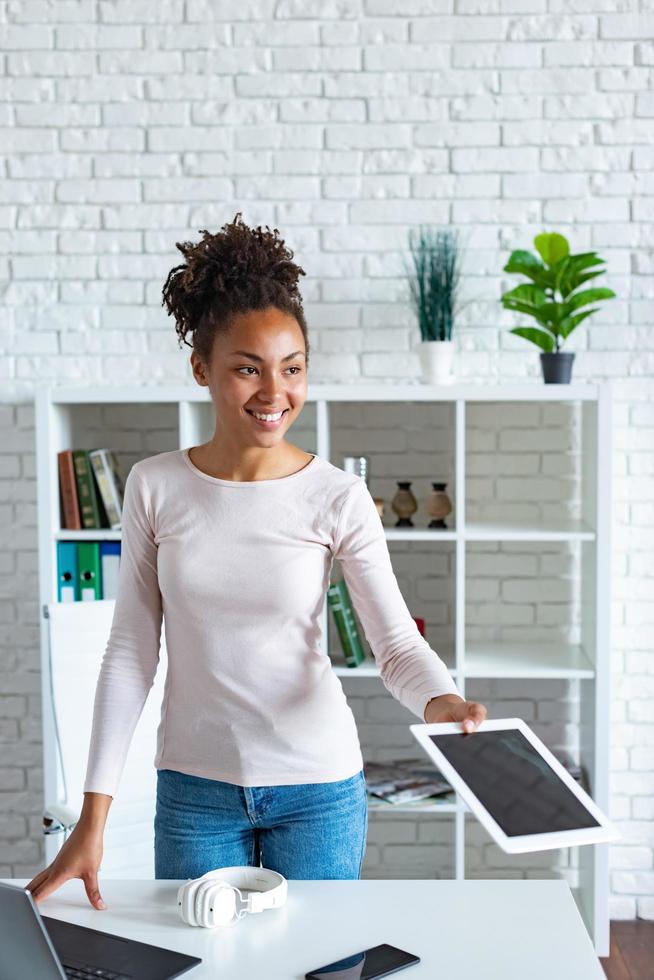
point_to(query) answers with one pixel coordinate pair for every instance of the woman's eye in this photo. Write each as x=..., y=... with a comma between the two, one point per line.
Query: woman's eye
x=295, y=368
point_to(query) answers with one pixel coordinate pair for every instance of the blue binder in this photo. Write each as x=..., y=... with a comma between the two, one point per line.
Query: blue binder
x=67, y=582
x=109, y=565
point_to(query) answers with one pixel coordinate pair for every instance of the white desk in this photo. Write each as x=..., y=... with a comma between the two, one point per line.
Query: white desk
x=463, y=930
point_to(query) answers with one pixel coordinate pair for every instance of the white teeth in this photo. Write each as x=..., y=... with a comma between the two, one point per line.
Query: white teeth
x=268, y=418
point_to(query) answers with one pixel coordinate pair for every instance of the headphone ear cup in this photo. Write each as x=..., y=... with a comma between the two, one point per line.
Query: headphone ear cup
x=186, y=901
x=202, y=903
x=221, y=905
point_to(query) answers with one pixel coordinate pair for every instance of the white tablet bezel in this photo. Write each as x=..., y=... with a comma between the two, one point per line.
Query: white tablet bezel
x=607, y=831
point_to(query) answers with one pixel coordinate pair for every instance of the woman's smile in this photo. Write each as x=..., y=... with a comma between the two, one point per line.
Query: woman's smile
x=265, y=423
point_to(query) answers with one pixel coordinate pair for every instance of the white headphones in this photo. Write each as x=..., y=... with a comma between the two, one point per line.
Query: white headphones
x=212, y=899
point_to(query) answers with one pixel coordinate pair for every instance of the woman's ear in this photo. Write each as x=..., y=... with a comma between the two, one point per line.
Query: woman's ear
x=199, y=369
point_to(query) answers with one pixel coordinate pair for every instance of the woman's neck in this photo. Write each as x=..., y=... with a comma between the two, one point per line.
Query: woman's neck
x=251, y=464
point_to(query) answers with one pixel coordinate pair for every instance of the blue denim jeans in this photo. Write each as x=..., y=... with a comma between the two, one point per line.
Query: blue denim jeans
x=304, y=830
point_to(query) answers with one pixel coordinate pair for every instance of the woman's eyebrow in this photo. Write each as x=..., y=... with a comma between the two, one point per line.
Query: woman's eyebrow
x=256, y=357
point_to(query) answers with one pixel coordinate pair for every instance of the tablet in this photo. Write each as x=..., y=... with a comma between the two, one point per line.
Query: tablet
x=517, y=789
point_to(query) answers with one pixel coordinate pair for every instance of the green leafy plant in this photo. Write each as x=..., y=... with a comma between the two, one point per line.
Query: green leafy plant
x=434, y=280
x=553, y=297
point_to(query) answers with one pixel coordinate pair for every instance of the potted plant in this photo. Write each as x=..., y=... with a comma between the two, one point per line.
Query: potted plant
x=556, y=315
x=434, y=284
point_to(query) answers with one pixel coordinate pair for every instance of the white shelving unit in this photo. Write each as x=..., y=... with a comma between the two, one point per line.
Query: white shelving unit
x=58, y=415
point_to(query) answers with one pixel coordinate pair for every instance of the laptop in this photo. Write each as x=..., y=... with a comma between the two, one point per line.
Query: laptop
x=37, y=946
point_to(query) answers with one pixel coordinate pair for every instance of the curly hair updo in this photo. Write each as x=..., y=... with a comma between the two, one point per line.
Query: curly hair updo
x=237, y=270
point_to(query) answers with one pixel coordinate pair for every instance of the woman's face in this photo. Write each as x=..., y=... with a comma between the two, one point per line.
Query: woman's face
x=258, y=365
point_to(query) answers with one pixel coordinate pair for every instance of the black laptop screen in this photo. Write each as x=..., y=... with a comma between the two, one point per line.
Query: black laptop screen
x=519, y=789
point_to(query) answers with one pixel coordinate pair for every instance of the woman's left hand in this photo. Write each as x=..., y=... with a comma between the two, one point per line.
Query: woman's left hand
x=450, y=707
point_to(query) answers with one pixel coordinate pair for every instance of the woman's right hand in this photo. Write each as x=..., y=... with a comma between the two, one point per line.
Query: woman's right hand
x=80, y=857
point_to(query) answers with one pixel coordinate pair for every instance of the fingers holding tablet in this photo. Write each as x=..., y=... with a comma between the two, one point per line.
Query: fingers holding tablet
x=452, y=708
x=475, y=714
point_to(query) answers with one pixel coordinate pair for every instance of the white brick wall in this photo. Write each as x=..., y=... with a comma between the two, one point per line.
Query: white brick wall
x=126, y=126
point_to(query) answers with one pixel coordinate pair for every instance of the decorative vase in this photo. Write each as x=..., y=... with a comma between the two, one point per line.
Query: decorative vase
x=404, y=504
x=439, y=505
x=379, y=504
x=557, y=367
x=436, y=357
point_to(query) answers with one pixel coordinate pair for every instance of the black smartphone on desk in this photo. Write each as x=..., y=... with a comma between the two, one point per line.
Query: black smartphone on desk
x=378, y=961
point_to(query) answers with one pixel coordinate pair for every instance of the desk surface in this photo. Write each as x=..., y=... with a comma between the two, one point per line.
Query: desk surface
x=466, y=930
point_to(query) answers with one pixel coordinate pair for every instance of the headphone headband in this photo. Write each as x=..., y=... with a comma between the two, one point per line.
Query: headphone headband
x=255, y=879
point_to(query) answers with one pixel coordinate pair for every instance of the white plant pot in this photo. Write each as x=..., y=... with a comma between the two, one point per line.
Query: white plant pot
x=436, y=357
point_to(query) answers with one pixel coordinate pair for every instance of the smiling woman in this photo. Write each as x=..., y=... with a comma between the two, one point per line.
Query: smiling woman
x=258, y=757
x=237, y=294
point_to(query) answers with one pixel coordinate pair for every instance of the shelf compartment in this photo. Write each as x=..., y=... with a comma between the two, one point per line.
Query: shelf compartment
x=410, y=441
x=528, y=659
x=420, y=806
x=486, y=859
x=525, y=614
x=526, y=468
x=487, y=660
x=425, y=576
x=528, y=530
x=397, y=850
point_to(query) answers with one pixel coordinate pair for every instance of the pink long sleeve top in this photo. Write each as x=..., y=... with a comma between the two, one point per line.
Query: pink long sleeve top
x=239, y=572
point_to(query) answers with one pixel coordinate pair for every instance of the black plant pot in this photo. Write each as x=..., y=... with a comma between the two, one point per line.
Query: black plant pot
x=557, y=368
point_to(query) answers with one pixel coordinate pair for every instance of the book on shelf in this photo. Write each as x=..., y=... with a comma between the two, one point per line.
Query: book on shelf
x=109, y=481
x=342, y=609
x=91, y=489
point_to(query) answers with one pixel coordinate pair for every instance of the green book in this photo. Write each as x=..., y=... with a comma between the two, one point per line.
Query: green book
x=91, y=509
x=340, y=604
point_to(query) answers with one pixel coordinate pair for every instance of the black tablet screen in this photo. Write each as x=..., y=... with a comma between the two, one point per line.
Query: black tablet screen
x=519, y=789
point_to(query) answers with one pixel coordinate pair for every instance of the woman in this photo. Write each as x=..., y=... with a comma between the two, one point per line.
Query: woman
x=231, y=543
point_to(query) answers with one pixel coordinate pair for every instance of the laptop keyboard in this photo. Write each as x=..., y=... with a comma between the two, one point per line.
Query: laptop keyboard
x=88, y=972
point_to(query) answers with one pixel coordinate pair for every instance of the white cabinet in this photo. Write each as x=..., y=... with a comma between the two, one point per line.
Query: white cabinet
x=489, y=509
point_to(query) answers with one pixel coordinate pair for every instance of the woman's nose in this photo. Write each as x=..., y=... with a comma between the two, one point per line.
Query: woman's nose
x=271, y=387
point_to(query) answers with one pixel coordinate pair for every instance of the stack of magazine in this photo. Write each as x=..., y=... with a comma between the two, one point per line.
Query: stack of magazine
x=412, y=780
x=405, y=781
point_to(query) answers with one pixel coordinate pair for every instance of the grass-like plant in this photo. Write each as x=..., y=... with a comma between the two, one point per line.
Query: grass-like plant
x=434, y=280
x=553, y=297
